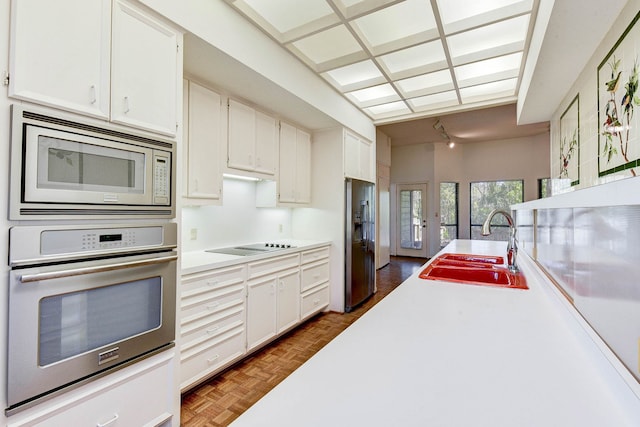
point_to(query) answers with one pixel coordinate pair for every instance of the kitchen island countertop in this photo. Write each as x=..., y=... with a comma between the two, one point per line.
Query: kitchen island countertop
x=434, y=353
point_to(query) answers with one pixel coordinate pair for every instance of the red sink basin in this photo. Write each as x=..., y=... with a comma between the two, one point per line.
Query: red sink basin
x=481, y=259
x=456, y=263
x=473, y=270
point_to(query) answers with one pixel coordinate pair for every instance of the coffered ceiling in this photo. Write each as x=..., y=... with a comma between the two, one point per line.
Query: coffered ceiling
x=403, y=59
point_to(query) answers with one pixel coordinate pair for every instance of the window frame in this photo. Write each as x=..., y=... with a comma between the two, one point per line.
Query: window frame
x=457, y=207
x=471, y=224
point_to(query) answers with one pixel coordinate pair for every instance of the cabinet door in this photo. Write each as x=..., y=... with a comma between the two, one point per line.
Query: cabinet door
x=351, y=155
x=60, y=54
x=366, y=161
x=288, y=160
x=266, y=148
x=261, y=311
x=358, y=158
x=303, y=167
x=242, y=136
x=288, y=299
x=204, y=165
x=144, y=71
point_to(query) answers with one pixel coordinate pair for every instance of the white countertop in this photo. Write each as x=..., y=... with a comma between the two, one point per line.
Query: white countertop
x=196, y=261
x=444, y=354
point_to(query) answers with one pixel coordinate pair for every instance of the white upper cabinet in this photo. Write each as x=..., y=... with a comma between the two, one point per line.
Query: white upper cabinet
x=203, y=149
x=295, y=165
x=144, y=71
x=359, y=158
x=60, y=54
x=253, y=140
x=266, y=144
x=80, y=56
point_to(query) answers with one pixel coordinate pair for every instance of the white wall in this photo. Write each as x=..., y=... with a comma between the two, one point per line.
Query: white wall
x=413, y=164
x=238, y=221
x=522, y=158
x=586, y=87
x=4, y=200
x=326, y=220
x=383, y=200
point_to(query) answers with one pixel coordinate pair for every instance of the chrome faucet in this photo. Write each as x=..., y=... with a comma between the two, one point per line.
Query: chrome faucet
x=512, y=246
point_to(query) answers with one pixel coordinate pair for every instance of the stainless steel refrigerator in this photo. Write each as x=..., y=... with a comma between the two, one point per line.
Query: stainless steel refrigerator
x=360, y=271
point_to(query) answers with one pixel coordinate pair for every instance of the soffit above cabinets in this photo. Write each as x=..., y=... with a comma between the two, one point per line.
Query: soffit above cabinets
x=401, y=59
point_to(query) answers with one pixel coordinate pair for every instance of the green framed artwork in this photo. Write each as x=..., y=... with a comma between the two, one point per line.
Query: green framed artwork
x=619, y=123
x=570, y=142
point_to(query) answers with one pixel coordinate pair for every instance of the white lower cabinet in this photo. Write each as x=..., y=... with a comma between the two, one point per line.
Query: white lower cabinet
x=314, y=273
x=212, y=322
x=139, y=395
x=228, y=312
x=288, y=303
x=272, y=299
x=261, y=311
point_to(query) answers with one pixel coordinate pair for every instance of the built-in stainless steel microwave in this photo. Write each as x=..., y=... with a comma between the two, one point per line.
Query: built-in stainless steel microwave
x=65, y=166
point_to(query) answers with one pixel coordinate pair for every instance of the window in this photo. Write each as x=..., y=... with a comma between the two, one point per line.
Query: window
x=489, y=195
x=411, y=218
x=544, y=187
x=448, y=212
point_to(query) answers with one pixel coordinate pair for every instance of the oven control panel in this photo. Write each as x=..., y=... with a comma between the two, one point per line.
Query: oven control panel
x=60, y=242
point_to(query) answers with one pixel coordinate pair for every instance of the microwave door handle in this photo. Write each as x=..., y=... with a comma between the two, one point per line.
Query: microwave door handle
x=27, y=278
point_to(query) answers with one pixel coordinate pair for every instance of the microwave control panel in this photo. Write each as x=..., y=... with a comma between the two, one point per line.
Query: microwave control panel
x=161, y=179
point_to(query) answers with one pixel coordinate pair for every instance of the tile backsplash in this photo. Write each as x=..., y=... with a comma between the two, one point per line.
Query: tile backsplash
x=238, y=221
x=594, y=256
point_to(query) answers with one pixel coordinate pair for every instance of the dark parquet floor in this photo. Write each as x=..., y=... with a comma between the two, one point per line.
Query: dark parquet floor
x=222, y=399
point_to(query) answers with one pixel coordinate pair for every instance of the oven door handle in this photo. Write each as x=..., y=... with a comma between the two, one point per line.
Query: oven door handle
x=27, y=278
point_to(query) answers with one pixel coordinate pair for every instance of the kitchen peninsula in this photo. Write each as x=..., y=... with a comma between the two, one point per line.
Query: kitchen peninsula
x=444, y=354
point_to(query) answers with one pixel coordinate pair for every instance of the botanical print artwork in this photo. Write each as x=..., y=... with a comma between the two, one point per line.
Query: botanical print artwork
x=570, y=142
x=619, y=145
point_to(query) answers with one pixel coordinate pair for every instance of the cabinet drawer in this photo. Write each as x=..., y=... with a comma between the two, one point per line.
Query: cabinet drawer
x=273, y=265
x=211, y=302
x=212, y=279
x=314, y=274
x=314, y=301
x=314, y=255
x=206, y=325
x=211, y=291
x=140, y=395
x=201, y=360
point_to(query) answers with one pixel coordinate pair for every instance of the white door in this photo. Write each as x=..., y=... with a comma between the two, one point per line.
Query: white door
x=411, y=220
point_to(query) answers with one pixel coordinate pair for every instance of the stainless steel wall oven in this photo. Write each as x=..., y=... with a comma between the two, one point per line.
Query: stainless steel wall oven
x=84, y=301
x=65, y=166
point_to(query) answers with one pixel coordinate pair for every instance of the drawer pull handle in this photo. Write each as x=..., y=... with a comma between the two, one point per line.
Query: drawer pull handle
x=316, y=301
x=212, y=330
x=213, y=359
x=316, y=276
x=212, y=282
x=107, y=423
x=212, y=305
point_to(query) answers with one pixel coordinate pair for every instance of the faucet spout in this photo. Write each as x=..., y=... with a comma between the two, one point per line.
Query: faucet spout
x=512, y=246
